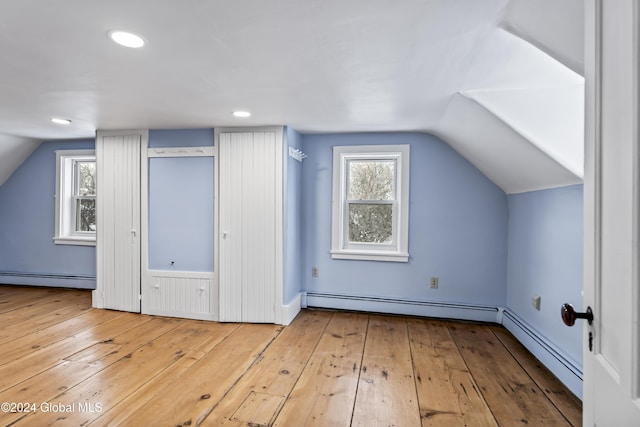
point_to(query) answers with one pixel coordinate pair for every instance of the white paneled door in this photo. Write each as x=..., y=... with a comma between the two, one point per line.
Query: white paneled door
x=250, y=225
x=118, y=220
x=612, y=214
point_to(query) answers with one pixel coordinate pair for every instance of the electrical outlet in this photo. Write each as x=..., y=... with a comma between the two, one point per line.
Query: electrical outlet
x=314, y=271
x=434, y=283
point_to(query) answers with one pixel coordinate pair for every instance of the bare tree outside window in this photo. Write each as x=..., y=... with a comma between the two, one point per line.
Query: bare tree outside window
x=370, y=198
x=85, y=194
x=370, y=210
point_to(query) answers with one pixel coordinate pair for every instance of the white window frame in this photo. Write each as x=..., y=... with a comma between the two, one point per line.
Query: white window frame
x=65, y=230
x=398, y=249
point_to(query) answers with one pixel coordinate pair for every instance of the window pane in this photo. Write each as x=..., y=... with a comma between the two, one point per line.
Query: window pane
x=86, y=179
x=370, y=223
x=371, y=179
x=86, y=215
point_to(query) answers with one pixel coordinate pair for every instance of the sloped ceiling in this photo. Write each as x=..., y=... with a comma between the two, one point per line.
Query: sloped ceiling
x=540, y=100
x=451, y=67
x=13, y=151
x=555, y=27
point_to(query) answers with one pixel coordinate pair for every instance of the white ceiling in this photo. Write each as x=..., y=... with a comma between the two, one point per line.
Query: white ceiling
x=315, y=65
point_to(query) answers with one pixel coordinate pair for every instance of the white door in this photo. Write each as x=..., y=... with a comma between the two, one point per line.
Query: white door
x=250, y=165
x=118, y=221
x=612, y=189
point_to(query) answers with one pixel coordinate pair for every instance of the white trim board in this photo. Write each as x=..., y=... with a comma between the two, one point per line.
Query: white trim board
x=288, y=312
x=182, y=152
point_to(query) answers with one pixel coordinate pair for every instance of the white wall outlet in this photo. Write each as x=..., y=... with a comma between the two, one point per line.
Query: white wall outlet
x=314, y=271
x=434, y=283
x=535, y=302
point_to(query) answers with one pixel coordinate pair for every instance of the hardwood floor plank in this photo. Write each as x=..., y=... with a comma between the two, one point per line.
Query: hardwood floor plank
x=447, y=394
x=45, y=358
x=566, y=402
x=38, y=339
x=129, y=372
x=169, y=379
x=258, y=395
x=42, y=315
x=326, y=390
x=386, y=394
x=45, y=374
x=106, y=352
x=15, y=298
x=208, y=380
x=513, y=397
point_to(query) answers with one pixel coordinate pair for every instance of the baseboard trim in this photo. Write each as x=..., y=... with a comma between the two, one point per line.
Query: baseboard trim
x=289, y=311
x=446, y=310
x=49, y=280
x=561, y=365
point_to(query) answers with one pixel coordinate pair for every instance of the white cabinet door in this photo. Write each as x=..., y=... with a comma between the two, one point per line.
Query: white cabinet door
x=118, y=220
x=250, y=164
x=612, y=196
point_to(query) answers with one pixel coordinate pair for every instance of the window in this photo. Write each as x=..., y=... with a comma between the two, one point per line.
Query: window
x=370, y=203
x=75, y=197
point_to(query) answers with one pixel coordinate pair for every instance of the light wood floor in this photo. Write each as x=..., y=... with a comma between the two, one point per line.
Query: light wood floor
x=79, y=366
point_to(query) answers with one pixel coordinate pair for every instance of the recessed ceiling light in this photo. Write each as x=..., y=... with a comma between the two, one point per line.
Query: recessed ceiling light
x=241, y=114
x=60, y=121
x=127, y=39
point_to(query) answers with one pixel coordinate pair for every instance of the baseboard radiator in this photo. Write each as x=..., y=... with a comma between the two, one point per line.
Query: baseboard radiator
x=446, y=310
x=47, y=279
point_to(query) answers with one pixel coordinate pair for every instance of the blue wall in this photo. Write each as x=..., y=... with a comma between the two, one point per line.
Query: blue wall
x=159, y=138
x=458, y=227
x=293, y=219
x=181, y=214
x=181, y=202
x=545, y=259
x=27, y=225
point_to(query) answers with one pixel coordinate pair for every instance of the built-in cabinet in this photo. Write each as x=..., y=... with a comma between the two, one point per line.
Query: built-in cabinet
x=194, y=232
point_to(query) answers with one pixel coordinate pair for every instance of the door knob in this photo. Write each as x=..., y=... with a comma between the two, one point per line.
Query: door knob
x=569, y=315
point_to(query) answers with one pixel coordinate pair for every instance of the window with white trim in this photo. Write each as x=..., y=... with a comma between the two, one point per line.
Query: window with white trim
x=370, y=218
x=75, y=197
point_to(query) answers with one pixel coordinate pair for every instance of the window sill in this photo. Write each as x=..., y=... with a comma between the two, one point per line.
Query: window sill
x=370, y=256
x=79, y=241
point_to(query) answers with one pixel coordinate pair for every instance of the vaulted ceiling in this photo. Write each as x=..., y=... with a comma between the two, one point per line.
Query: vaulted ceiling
x=499, y=80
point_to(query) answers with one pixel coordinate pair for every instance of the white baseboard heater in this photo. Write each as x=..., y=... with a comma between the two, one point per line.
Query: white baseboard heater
x=51, y=280
x=447, y=310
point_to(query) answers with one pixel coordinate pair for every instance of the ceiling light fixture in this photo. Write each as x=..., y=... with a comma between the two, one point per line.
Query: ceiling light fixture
x=60, y=121
x=126, y=39
x=242, y=114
